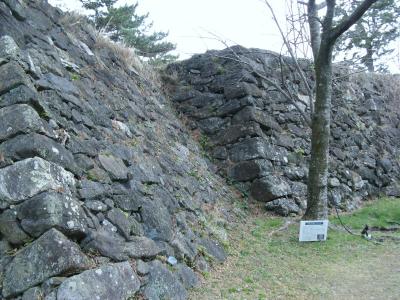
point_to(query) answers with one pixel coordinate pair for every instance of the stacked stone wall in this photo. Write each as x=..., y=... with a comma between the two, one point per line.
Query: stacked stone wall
x=259, y=139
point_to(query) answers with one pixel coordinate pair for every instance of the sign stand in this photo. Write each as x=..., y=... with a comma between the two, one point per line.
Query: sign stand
x=313, y=230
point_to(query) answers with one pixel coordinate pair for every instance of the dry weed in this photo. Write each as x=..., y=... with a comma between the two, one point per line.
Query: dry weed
x=75, y=23
x=128, y=57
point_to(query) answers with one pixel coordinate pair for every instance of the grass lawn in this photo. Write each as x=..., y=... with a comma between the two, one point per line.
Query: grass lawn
x=268, y=262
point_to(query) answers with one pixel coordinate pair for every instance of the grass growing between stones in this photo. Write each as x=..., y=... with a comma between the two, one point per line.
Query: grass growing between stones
x=267, y=261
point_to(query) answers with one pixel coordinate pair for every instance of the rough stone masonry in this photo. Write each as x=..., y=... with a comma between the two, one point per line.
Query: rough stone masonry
x=258, y=138
x=100, y=183
x=103, y=191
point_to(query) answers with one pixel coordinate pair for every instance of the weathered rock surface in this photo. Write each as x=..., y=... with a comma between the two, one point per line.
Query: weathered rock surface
x=12, y=76
x=214, y=250
x=109, y=282
x=258, y=139
x=18, y=119
x=93, y=159
x=141, y=247
x=186, y=275
x=107, y=244
x=163, y=284
x=114, y=167
x=31, y=145
x=251, y=169
x=11, y=229
x=270, y=188
x=50, y=255
x=32, y=176
x=157, y=222
x=52, y=210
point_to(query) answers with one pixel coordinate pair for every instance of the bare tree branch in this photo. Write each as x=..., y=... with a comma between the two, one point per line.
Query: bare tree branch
x=298, y=68
x=317, y=6
x=315, y=27
x=347, y=22
x=271, y=82
x=330, y=13
x=293, y=98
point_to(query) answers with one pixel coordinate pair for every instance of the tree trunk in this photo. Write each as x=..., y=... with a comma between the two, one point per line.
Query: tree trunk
x=317, y=198
x=317, y=202
x=315, y=27
x=369, y=61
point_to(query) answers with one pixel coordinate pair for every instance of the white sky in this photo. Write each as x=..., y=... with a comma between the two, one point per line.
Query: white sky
x=244, y=22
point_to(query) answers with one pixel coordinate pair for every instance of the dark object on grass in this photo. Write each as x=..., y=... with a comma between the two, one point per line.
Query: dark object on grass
x=365, y=233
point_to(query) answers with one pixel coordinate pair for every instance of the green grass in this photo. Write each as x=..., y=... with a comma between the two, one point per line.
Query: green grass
x=267, y=262
x=376, y=213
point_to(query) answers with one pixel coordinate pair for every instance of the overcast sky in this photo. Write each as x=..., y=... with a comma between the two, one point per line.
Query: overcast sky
x=244, y=22
x=189, y=23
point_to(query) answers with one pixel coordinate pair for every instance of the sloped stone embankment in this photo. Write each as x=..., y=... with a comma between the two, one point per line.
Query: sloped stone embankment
x=99, y=181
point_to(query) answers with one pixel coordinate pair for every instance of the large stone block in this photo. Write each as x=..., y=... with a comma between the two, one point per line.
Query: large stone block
x=20, y=95
x=235, y=132
x=211, y=125
x=50, y=255
x=202, y=100
x=163, y=284
x=114, y=166
x=121, y=220
x=52, y=209
x=242, y=89
x=141, y=247
x=18, y=119
x=157, y=221
x=107, y=244
x=270, y=188
x=251, y=169
x=11, y=76
x=51, y=81
x=252, y=148
x=187, y=276
x=214, y=249
x=283, y=207
x=31, y=145
x=32, y=176
x=110, y=282
x=185, y=248
x=251, y=113
x=92, y=189
x=17, y=8
x=10, y=228
x=229, y=108
x=8, y=48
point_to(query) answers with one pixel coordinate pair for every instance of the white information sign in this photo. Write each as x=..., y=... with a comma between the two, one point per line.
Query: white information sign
x=313, y=230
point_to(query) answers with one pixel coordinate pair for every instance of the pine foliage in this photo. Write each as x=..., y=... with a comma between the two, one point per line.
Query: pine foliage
x=124, y=24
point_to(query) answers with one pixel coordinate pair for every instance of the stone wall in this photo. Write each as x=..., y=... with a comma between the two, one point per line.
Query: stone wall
x=98, y=177
x=259, y=140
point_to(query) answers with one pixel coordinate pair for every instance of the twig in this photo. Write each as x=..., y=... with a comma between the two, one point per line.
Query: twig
x=318, y=6
x=274, y=84
x=296, y=63
x=292, y=98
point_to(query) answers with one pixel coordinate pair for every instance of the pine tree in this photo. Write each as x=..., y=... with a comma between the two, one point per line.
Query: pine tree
x=123, y=24
x=372, y=35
